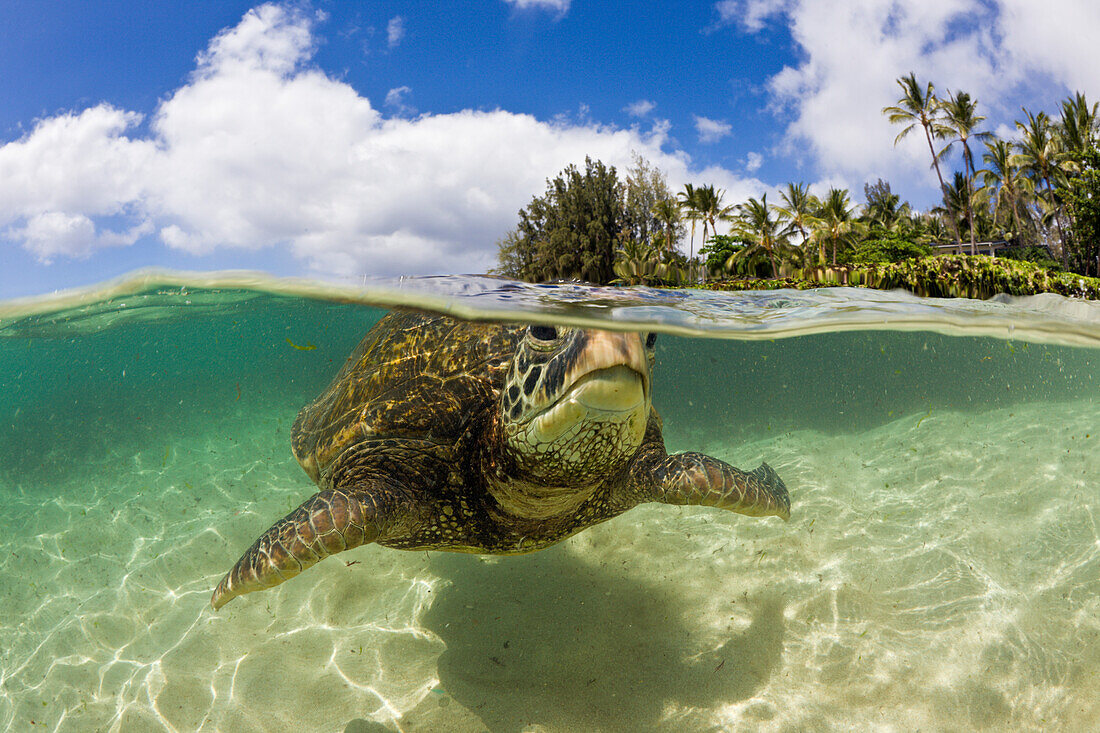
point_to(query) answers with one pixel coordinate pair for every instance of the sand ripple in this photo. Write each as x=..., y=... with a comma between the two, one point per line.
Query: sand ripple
x=939, y=571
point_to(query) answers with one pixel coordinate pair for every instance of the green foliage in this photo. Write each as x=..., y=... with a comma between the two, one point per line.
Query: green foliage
x=1006, y=191
x=762, y=284
x=718, y=249
x=760, y=225
x=637, y=263
x=577, y=229
x=883, y=207
x=1083, y=202
x=719, y=258
x=838, y=227
x=570, y=232
x=953, y=276
x=512, y=256
x=645, y=188
x=962, y=276
x=1036, y=255
x=1040, y=189
x=884, y=249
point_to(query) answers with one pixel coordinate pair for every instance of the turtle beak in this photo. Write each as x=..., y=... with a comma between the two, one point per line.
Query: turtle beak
x=607, y=385
x=612, y=351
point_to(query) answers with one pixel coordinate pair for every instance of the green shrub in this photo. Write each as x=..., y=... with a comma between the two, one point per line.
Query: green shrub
x=963, y=276
x=762, y=284
x=1038, y=255
x=718, y=250
x=891, y=249
x=949, y=276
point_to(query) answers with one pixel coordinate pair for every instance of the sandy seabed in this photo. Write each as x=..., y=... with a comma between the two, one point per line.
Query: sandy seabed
x=939, y=572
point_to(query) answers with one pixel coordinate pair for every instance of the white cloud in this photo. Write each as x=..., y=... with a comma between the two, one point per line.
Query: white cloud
x=395, y=31
x=750, y=15
x=1058, y=39
x=260, y=149
x=269, y=37
x=640, y=108
x=1004, y=52
x=561, y=7
x=753, y=161
x=711, y=130
x=55, y=233
x=74, y=162
x=395, y=98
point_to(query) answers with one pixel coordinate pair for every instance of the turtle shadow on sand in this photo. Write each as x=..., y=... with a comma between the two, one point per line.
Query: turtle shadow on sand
x=549, y=640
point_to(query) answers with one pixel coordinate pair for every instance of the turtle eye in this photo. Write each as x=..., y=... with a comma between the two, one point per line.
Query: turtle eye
x=543, y=333
x=651, y=340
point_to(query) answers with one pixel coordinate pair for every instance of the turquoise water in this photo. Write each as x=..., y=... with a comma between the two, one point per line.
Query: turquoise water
x=941, y=568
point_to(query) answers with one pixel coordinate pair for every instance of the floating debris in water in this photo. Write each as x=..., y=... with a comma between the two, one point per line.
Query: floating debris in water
x=307, y=347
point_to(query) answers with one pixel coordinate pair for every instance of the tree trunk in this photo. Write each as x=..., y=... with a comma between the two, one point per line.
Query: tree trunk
x=970, y=218
x=968, y=165
x=1016, y=215
x=704, y=242
x=943, y=187
x=1058, y=222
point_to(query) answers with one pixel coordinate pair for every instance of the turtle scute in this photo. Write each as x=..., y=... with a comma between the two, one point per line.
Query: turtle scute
x=487, y=438
x=412, y=376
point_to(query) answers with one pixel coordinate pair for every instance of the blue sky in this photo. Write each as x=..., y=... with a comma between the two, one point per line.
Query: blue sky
x=383, y=138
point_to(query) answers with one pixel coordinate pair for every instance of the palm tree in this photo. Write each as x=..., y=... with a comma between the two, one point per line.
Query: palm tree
x=892, y=215
x=1004, y=182
x=1042, y=156
x=708, y=203
x=763, y=231
x=710, y=207
x=667, y=212
x=689, y=199
x=1080, y=124
x=933, y=226
x=917, y=107
x=837, y=221
x=957, y=124
x=639, y=263
x=885, y=209
x=798, y=209
x=955, y=204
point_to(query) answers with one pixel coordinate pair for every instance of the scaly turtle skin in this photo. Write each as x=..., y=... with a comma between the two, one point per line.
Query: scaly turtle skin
x=441, y=434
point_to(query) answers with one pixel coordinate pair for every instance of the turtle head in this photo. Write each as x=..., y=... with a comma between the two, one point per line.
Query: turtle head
x=575, y=404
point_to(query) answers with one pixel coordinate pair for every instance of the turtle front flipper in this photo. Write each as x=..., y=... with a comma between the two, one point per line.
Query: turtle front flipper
x=370, y=497
x=699, y=480
x=331, y=521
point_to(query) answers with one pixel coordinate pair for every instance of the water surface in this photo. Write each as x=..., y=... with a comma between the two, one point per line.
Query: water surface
x=941, y=568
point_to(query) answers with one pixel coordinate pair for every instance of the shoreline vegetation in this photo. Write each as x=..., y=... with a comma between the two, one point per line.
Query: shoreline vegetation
x=942, y=276
x=1034, y=206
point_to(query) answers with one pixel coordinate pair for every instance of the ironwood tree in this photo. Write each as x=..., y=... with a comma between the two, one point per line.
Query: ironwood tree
x=571, y=231
x=644, y=190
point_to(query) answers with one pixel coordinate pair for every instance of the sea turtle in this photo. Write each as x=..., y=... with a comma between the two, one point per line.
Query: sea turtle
x=442, y=434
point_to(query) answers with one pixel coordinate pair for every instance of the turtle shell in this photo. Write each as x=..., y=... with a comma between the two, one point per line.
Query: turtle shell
x=412, y=376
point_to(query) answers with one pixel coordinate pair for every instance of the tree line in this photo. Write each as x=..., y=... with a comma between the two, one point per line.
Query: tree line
x=1037, y=189
x=1040, y=192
